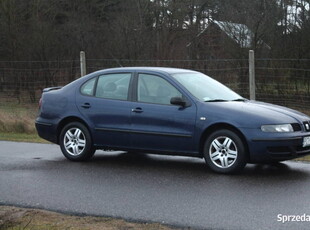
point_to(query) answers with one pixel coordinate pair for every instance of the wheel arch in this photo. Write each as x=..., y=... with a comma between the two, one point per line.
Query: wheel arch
x=68, y=120
x=219, y=126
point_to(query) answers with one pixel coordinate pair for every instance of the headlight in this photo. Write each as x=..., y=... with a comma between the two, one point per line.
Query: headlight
x=285, y=128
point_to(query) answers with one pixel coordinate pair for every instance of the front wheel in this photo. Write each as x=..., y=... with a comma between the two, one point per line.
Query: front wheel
x=224, y=152
x=75, y=142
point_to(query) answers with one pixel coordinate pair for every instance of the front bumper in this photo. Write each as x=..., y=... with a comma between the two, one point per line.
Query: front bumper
x=270, y=147
x=286, y=149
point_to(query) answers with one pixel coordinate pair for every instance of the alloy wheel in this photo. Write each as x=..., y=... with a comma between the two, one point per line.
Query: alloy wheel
x=74, y=141
x=223, y=152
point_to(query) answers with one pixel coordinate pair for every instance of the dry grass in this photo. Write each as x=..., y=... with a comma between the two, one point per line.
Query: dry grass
x=16, y=118
x=306, y=158
x=17, y=123
x=13, y=218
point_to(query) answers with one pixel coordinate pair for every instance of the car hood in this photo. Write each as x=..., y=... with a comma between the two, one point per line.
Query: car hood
x=252, y=113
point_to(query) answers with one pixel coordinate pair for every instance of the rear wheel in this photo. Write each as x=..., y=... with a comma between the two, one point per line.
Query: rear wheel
x=75, y=142
x=224, y=152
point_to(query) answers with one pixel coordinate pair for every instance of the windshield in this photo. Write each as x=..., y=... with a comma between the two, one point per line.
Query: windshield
x=205, y=88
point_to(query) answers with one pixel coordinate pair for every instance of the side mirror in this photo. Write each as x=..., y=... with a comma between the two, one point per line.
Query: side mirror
x=178, y=101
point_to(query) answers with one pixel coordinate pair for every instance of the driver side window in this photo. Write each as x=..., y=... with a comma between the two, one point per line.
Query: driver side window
x=154, y=89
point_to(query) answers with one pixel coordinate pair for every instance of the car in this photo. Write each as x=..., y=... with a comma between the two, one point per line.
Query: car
x=169, y=111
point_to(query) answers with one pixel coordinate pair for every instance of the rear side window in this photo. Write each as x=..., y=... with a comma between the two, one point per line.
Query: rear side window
x=113, y=86
x=88, y=87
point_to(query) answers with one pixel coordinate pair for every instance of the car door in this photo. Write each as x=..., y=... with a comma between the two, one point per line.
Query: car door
x=156, y=124
x=103, y=102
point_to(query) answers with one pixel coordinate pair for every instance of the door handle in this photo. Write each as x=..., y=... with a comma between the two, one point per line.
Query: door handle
x=137, y=110
x=86, y=106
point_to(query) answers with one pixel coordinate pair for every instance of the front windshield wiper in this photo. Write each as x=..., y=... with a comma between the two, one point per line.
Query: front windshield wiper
x=240, y=99
x=216, y=100
x=222, y=100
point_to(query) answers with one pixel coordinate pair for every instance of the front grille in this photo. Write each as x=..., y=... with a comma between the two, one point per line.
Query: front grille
x=296, y=127
x=288, y=151
x=279, y=149
x=301, y=150
x=306, y=126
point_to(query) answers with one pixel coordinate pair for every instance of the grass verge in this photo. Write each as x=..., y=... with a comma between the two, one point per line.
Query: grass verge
x=17, y=123
x=306, y=158
x=13, y=218
x=18, y=118
x=22, y=137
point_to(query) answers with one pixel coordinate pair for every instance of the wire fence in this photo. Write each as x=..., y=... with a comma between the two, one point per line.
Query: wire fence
x=284, y=82
x=279, y=81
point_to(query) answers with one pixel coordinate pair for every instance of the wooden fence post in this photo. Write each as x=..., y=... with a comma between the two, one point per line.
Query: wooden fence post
x=83, y=63
x=252, y=75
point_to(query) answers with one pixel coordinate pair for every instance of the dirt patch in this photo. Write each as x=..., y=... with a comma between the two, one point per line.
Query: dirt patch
x=12, y=218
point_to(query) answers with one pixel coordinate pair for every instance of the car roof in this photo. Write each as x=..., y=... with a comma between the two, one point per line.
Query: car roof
x=149, y=69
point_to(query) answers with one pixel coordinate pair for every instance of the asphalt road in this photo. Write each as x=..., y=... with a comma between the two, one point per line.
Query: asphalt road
x=178, y=191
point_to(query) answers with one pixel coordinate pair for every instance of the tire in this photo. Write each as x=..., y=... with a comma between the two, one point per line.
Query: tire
x=75, y=142
x=224, y=152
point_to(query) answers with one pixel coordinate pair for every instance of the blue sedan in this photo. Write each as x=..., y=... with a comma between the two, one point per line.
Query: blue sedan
x=169, y=111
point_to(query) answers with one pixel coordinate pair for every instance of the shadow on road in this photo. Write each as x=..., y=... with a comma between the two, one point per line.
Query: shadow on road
x=188, y=166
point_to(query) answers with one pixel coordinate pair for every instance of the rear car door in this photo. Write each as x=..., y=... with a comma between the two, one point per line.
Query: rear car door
x=103, y=102
x=156, y=124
